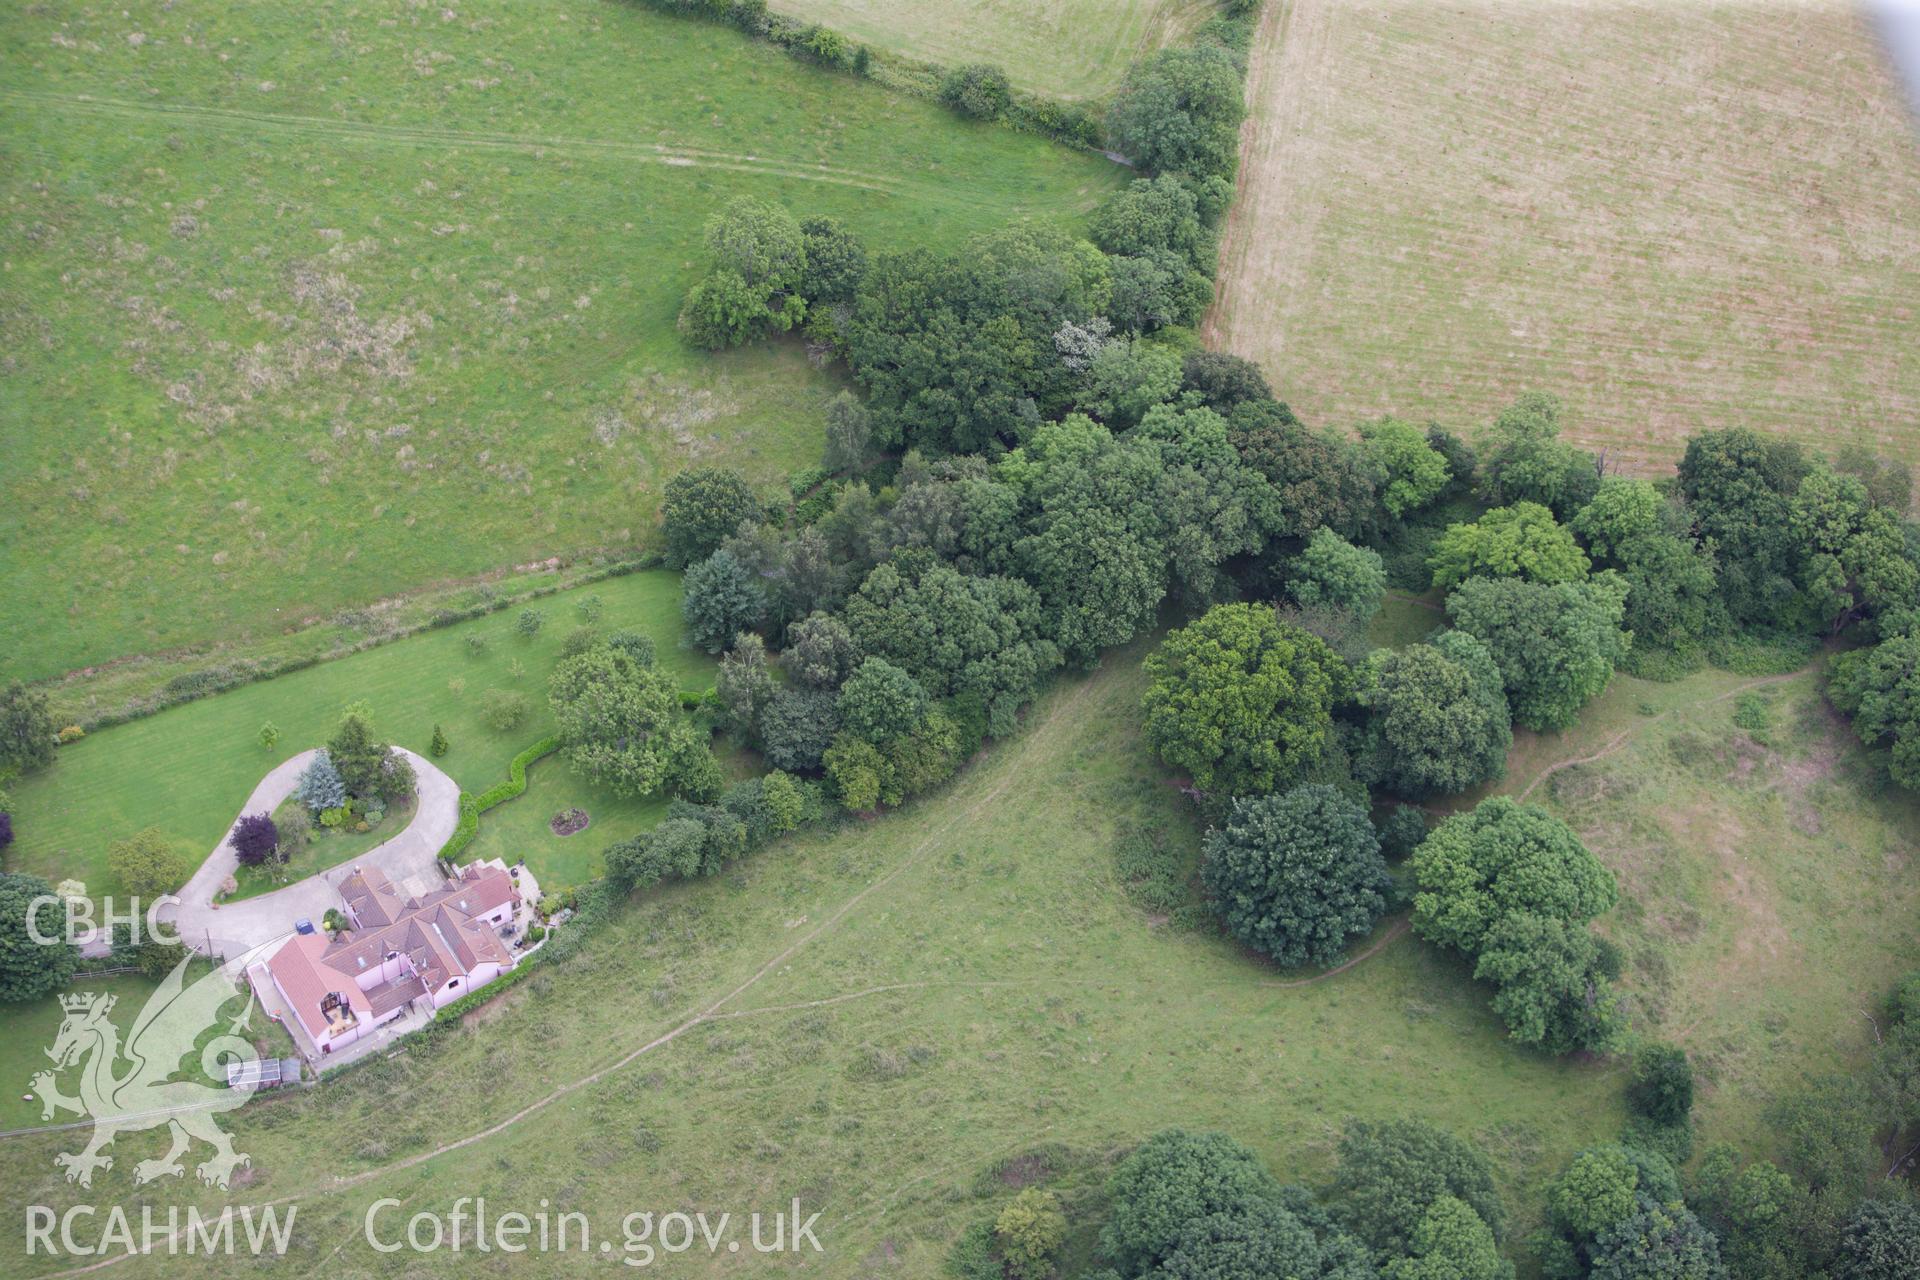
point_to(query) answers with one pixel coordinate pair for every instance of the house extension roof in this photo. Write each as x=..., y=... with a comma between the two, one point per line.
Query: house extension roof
x=435, y=932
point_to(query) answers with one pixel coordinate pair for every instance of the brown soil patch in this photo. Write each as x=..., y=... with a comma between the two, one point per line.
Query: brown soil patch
x=569, y=822
x=1024, y=1171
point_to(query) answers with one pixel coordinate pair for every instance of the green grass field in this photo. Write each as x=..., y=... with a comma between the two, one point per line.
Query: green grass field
x=895, y=1007
x=1767, y=887
x=308, y=306
x=1066, y=48
x=188, y=770
x=31, y=1029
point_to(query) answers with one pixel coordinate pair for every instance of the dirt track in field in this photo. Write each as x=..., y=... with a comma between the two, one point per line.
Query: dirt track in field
x=1675, y=218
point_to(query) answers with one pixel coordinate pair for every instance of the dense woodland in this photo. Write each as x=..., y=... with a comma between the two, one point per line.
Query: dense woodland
x=1044, y=464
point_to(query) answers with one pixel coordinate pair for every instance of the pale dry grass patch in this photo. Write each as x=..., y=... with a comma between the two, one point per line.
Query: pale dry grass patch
x=1070, y=49
x=1676, y=217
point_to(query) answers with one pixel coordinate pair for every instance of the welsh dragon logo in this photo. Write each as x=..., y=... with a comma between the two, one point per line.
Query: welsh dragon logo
x=130, y=1089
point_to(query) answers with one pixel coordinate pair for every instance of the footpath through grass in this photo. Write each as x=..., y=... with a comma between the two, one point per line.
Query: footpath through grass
x=874, y=1017
x=309, y=305
x=188, y=770
x=915, y=998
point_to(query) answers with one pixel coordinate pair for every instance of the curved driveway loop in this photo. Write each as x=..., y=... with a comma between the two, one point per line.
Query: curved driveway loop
x=240, y=926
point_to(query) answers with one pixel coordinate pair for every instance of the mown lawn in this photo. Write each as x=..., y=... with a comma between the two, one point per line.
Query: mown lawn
x=310, y=305
x=188, y=770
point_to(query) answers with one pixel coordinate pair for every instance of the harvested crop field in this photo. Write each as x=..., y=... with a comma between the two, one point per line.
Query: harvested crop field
x=1676, y=218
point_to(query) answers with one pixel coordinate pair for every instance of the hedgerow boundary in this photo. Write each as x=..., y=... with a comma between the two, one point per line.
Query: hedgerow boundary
x=472, y=806
x=1072, y=124
x=203, y=682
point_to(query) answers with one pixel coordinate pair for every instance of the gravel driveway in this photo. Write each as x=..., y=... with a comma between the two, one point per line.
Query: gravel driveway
x=240, y=926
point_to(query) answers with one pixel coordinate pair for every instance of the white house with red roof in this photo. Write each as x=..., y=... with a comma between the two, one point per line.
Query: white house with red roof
x=414, y=953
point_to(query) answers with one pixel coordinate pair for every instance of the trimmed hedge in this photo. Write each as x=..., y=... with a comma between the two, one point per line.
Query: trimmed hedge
x=454, y=1010
x=472, y=806
x=516, y=782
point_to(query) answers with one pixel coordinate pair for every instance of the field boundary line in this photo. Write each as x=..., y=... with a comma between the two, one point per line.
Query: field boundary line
x=1289, y=45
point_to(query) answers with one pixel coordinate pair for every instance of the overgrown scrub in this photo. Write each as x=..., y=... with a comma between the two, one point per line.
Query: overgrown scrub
x=1156, y=873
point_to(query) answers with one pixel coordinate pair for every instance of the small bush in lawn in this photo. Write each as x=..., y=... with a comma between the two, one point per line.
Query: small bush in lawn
x=1750, y=713
x=528, y=624
x=147, y=864
x=476, y=644
x=269, y=735
x=503, y=710
x=439, y=746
